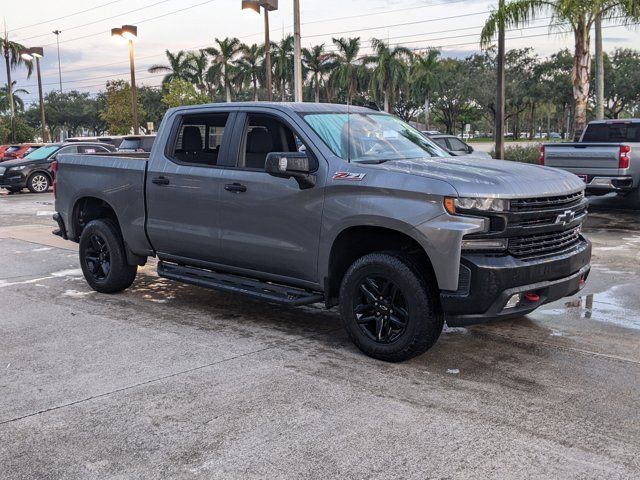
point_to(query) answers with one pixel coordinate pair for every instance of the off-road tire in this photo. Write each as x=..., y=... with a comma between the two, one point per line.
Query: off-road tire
x=119, y=274
x=420, y=296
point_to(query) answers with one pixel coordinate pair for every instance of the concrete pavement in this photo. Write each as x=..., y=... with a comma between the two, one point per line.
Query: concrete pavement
x=173, y=381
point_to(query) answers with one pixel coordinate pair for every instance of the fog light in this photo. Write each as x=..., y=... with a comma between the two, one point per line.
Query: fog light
x=485, y=244
x=513, y=301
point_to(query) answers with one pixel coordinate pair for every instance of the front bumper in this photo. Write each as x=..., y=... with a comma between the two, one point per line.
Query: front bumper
x=488, y=282
x=13, y=179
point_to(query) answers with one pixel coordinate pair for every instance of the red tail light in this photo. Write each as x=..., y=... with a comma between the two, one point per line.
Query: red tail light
x=541, y=157
x=624, y=156
x=54, y=169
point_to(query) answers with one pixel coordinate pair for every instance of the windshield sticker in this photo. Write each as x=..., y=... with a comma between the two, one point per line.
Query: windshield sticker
x=354, y=177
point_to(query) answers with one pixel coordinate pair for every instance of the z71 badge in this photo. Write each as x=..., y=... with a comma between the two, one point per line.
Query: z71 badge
x=354, y=177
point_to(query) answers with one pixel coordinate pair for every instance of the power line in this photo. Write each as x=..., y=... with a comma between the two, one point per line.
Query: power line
x=99, y=21
x=64, y=16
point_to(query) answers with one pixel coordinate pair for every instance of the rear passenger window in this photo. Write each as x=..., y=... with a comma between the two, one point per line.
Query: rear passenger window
x=199, y=139
x=264, y=135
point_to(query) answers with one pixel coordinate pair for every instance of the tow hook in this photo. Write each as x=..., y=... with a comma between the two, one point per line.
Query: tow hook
x=532, y=297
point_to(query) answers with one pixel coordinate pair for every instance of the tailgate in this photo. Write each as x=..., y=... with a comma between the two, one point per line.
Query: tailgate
x=586, y=156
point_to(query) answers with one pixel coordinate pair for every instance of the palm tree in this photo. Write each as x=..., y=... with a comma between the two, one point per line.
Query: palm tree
x=317, y=62
x=12, y=59
x=250, y=70
x=390, y=69
x=180, y=66
x=424, y=78
x=347, y=68
x=199, y=63
x=282, y=62
x=580, y=17
x=223, y=56
x=17, y=101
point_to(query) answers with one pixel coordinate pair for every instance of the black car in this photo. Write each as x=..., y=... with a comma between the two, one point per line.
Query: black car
x=137, y=143
x=34, y=171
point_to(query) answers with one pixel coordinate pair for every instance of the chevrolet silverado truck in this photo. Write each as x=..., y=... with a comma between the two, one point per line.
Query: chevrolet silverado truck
x=607, y=158
x=307, y=203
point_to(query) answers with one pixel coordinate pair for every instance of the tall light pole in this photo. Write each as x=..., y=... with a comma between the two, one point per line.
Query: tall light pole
x=297, y=56
x=29, y=54
x=599, y=70
x=500, y=89
x=267, y=5
x=57, y=34
x=130, y=33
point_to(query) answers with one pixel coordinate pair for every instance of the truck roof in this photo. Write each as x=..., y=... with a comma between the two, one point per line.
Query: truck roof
x=298, y=107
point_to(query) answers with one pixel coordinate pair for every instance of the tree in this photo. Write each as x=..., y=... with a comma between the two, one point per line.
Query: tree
x=17, y=101
x=250, y=69
x=316, y=61
x=154, y=108
x=282, y=64
x=117, y=111
x=390, y=70
x=12, y=59
x=453, y=103
x=23, y=131
x=180, y=92
x=199, y=63
x=424, y=79
x=580, y=16
x=223, y=55
x=180, y=66
x=622, y=89
x=347, y=71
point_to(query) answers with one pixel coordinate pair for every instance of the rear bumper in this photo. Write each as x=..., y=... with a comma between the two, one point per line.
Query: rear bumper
x=488, y=283
x=601, y=183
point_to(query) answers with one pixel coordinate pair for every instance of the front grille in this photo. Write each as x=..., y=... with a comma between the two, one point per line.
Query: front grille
x=538, y=245
x=541, y=203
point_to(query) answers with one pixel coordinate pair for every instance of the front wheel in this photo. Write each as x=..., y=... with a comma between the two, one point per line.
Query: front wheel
x=38, y=183
x=390, y=307
x=103, y=258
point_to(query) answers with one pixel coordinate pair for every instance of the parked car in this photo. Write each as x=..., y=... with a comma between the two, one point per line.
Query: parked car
x=35, y=172
x=20, y=150
x=372, y=216
x=137, y=143
x=2, y=150
x=456, y=147
x=607, y=158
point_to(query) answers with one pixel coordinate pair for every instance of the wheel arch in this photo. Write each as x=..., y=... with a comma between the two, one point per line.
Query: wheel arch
x=356, y=241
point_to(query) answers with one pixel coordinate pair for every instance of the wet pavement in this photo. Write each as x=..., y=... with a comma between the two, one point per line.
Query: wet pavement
x=172, y=381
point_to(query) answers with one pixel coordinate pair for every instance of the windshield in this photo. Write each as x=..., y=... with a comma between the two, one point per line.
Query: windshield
x=12, y=149
x=612, y=132
x=42, y=152
x=131, y=143
x=371, y=137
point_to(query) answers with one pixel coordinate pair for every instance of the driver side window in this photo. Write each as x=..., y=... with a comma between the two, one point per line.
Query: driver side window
x=265, y=134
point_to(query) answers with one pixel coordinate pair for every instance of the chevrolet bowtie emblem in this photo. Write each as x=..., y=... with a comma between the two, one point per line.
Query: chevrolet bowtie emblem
x=566, y=217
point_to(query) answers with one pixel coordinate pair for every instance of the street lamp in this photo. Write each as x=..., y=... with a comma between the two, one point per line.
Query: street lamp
x=267, y=5
x=130, y=33
x=297, y=57
x=29, y=54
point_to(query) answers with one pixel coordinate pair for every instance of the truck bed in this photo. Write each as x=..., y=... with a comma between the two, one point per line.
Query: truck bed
x=584, y=156
x=117, y=179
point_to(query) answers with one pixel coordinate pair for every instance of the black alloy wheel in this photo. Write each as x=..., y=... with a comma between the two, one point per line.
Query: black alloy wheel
x=98, y=257
x=381, y=310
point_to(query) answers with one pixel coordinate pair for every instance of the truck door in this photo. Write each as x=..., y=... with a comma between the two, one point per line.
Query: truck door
x=183, y=188
x=269, y=224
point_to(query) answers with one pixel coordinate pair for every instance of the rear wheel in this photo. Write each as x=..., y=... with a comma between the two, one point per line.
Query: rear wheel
x=103, y=257
x=38, y=183
x=390, y=307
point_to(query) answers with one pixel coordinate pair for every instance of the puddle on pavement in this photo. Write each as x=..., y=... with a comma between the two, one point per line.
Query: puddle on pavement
x=602, y=307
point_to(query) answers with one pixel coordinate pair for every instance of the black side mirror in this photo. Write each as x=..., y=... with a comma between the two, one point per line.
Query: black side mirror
x=296, y=165
x=469, y=149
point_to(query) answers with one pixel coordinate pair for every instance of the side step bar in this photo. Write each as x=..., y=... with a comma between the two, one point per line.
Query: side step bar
x=269, y=292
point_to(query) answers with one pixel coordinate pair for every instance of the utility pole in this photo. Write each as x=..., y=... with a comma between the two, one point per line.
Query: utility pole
x=134, y=93
x=6, y=48
x=267, y=56
x=500, y=90
x=297, y=60
x=599, y=70
x=57, y=34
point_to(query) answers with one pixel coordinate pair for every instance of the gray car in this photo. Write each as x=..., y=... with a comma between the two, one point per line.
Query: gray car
x=456, y=146
x=305, y=203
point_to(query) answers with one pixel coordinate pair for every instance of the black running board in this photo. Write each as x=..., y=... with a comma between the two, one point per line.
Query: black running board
x=225, y=282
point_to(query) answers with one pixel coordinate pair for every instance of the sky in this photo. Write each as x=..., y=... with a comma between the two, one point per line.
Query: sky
x=90, y=57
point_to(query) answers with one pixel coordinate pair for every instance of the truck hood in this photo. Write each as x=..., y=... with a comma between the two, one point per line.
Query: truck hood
x=476, y=177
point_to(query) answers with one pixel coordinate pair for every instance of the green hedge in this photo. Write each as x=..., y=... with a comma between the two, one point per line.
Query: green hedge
x=524, y=154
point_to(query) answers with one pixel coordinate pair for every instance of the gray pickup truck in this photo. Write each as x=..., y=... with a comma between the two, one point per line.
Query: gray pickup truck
x=307, y=203
x=607, y=158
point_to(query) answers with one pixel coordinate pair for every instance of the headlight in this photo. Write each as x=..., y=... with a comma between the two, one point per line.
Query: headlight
x=454, y=205
x=21, y=167
x=2, y=169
